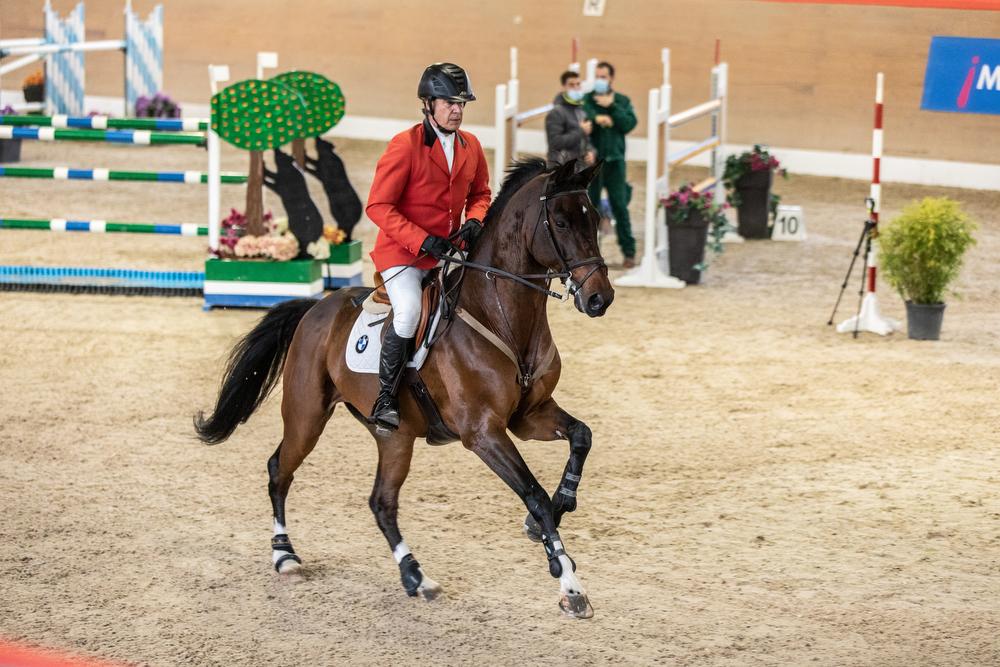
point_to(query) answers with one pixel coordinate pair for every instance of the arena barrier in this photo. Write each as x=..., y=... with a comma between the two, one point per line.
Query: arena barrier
x=63, y=47
x=659, y=160
x=82, y=280
x=508, y=119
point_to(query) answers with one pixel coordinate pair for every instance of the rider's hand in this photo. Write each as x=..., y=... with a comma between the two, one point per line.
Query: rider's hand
x=470, y=232
x=436, y=247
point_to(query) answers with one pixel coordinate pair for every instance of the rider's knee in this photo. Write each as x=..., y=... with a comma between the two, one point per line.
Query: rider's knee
x=405, y=319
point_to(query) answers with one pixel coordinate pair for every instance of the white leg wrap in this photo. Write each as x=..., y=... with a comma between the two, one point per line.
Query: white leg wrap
x=400, y=552
x=568, y=581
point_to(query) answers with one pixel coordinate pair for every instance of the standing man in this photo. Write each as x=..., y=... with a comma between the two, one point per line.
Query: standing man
x=567, y=127
x=613, y=118
x=427, y=176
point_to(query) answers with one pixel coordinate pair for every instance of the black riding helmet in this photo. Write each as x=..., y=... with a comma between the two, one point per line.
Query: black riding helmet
x=447, y=81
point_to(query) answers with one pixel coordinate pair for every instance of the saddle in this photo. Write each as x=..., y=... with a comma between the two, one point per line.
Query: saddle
x=430, y=300
x=431, y=304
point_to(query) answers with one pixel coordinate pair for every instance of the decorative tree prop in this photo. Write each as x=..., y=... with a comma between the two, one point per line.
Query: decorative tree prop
x=256, y=116
x=289, y=183
x=324, y=106
x=345, y=205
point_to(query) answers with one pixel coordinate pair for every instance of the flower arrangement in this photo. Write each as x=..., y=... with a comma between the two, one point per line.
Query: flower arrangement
x=158, y=106
x=748, y=162
x=277, y=244
x=7, y=111
x=279, y=248
x=685, y=202
x=334, y=235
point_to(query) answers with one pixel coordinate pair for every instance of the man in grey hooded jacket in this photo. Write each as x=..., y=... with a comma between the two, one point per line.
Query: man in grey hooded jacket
x=567, y=127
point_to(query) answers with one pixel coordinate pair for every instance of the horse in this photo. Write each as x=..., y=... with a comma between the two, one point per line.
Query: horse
x=541, y=225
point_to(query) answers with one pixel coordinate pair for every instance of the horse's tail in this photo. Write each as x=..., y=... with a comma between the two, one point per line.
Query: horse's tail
x=253, y=369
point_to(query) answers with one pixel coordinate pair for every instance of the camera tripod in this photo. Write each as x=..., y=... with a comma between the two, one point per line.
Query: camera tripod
x=868, y=317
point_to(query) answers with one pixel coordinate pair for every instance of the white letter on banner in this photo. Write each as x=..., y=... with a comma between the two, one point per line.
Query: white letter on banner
x=987, y=79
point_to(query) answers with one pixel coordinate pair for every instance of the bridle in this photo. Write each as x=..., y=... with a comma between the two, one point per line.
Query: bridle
x=565, y=275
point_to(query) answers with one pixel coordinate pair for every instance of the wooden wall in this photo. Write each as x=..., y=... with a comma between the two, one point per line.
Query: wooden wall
x=801, y=75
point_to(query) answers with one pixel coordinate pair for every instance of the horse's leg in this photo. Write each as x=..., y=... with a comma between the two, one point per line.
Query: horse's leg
x=394, y=452
x=306, y=407
x=497, y=450
x=550, y=422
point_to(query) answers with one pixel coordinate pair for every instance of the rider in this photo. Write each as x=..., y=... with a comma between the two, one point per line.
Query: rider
x=423, y=181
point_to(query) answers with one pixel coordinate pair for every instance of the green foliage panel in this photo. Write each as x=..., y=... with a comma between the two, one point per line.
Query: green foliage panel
x=259, y=115
x=324, y=100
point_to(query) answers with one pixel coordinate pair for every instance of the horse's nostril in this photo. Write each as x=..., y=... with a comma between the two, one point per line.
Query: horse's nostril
x=595, y=303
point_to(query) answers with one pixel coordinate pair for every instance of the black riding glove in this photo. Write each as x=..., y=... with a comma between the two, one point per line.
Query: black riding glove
x=436, y=247
x=470, y=232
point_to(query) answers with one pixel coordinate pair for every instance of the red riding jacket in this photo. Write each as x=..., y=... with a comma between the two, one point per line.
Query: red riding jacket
x=414, y=196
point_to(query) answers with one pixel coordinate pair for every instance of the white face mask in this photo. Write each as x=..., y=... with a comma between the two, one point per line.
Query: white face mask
x=575, y=95
x=601, y=86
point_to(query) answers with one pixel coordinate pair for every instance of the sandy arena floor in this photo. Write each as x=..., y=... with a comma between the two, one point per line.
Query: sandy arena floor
x=761, y=490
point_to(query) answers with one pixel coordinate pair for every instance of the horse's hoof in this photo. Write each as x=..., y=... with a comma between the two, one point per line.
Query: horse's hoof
x=290, y=568
x=576, y=606
x=429, y=589
x=532, y=530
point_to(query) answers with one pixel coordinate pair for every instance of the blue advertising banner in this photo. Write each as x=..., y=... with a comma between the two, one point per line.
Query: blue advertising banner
x=963, y=75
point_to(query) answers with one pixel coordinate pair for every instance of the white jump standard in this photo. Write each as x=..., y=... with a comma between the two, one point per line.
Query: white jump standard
x=650, y=271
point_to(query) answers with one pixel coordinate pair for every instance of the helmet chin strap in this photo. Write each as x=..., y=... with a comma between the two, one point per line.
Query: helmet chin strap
x=428, y=111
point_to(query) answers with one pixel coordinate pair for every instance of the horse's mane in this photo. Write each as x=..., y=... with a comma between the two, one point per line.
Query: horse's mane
x=518, y=173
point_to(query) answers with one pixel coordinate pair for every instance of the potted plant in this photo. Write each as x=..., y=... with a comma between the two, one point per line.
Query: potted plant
x=10, y=149
x=748, y=178
x=691, y=217
x=33, y=87
x=921, y=255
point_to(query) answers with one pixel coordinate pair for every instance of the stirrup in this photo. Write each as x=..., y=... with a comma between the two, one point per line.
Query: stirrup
x=383, y=405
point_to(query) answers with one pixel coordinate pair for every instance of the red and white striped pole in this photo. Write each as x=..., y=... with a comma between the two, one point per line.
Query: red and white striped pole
x=870, y=317
x=876, y=192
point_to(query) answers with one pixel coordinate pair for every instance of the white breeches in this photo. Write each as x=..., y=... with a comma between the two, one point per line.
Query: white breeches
x=403, y=286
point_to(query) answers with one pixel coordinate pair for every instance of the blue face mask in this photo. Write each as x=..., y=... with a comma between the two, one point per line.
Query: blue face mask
x=575, y=95
x=601, y=86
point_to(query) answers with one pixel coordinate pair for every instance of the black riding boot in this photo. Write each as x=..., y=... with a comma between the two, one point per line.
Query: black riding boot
x=395, y=354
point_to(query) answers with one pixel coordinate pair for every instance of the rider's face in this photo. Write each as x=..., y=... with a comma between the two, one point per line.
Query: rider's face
x=448, y=115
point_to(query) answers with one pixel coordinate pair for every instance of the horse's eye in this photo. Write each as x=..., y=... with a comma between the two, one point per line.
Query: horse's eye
x=561, y=223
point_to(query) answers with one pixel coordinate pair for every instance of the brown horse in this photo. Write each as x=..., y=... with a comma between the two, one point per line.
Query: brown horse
x=541, y=225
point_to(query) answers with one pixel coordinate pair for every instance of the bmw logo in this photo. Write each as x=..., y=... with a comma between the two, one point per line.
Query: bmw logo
x=361, y=345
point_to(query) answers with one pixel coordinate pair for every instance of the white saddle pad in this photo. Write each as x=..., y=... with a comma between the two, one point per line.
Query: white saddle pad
x=364, y=345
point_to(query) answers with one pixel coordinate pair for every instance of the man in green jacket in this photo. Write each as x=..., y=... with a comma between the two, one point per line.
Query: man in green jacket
x=613, y=118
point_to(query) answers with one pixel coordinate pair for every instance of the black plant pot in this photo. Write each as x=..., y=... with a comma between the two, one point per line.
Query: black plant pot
x=923, y=320
x=754, y=191
x=687, y=247
x=10, y=150
x=34, y=93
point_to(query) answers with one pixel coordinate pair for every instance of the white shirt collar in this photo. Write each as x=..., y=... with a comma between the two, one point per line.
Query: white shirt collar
x=447, y=144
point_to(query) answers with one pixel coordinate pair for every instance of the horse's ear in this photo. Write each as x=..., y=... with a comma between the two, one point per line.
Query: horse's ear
x=583, y=179
x=564, y=172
